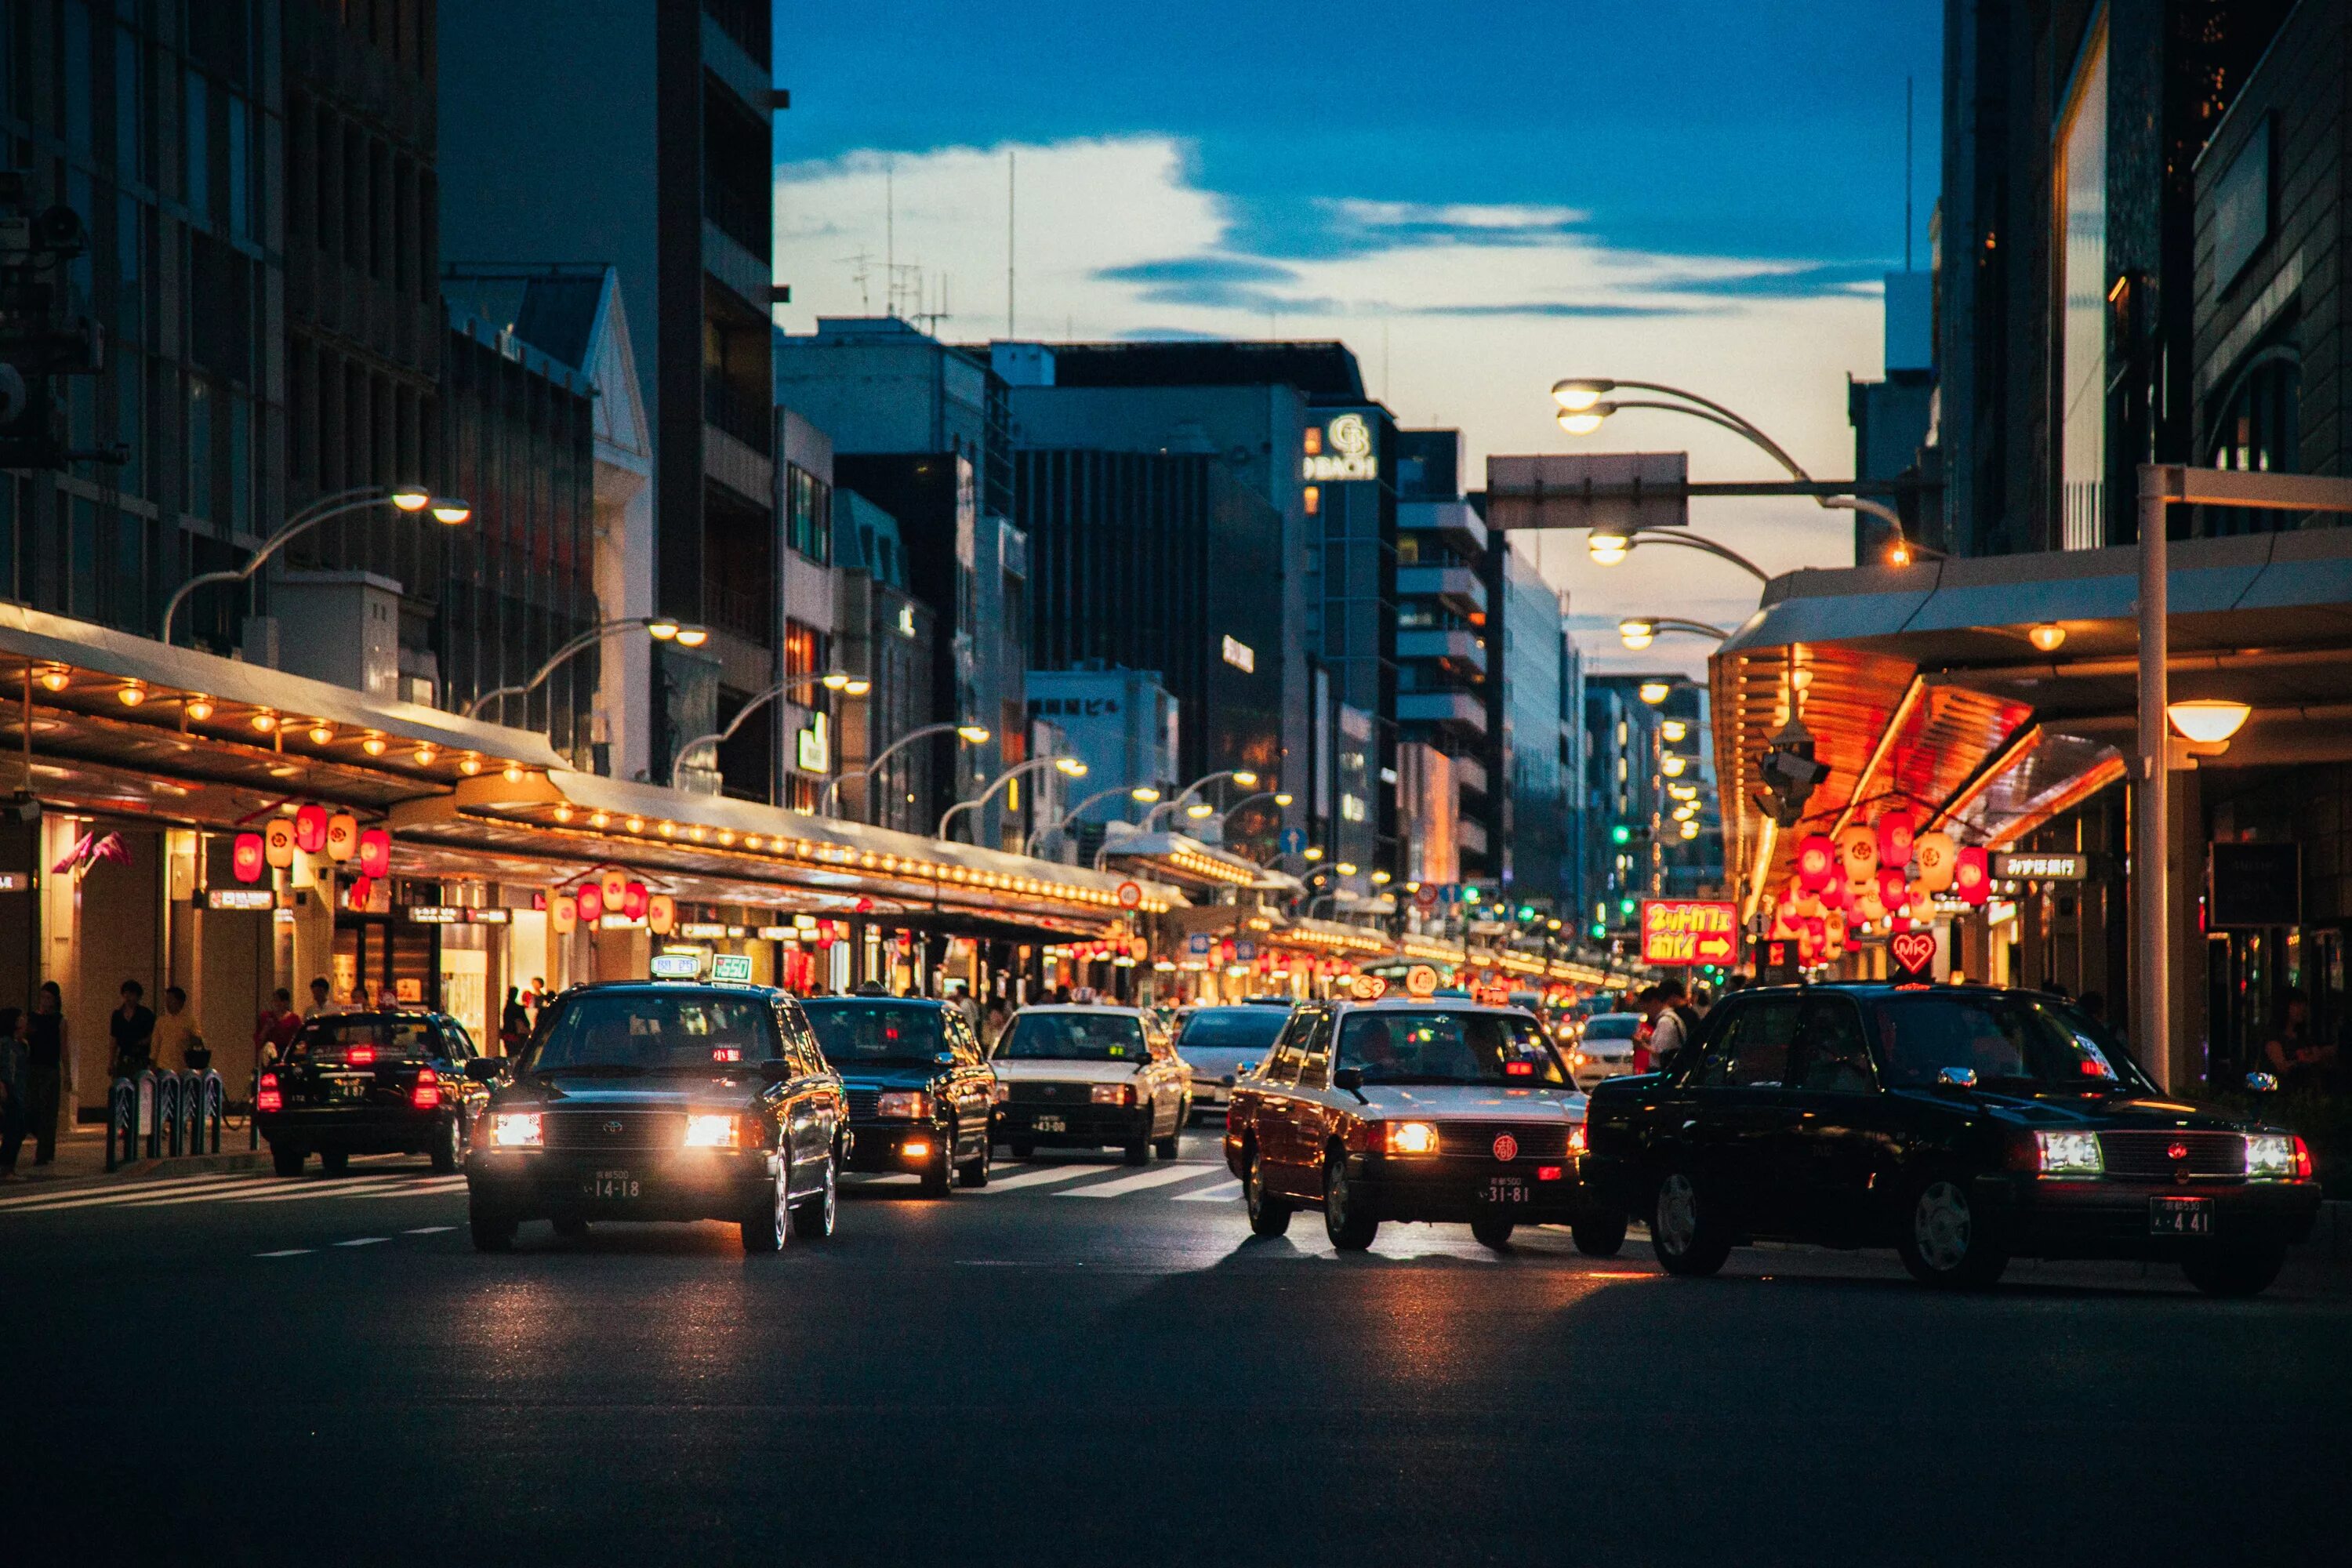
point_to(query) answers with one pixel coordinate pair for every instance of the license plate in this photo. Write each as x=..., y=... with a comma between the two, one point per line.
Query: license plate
x=1051, y=1124
x=349, y=1088
x=2180, y=1216
x=611, y=1184
x=1507, y=1189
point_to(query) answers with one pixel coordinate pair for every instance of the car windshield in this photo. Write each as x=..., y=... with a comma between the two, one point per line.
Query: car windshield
x=1438, y=1047
x=626, y=1032
x=1240, y=1031
x=2019, y=1044
x=878, y=1033
x=1612, y=1027
x=387, y=1035
x=1074, y=1036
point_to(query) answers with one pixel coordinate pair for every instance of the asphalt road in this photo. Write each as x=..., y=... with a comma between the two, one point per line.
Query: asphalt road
x=1090, y=1364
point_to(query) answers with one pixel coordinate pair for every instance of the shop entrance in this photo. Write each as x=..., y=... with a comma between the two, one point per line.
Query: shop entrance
x=382, y=961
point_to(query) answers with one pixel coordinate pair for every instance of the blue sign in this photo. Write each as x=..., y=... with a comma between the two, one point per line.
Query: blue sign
x=1292, y=840
x=1245, y=948
x=1198, y=945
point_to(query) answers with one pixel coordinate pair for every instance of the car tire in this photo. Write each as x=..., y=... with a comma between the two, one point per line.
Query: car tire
x=2234, y=1272
x=1139, y=1148
x=1493, y=1233
x=939, y=1176
x=974, y=1172
x=767, y=1231
x=492, y=1230
x=1269, y=1214
x=1166, y=1148
x=1600, y=1236
x=571, y=1229
x=448, y=1147
x=1021, y=1151
x=817, y=1217
x=334, y=1162
x=1687, y=1239
x=1945, y=1241
x=1345, y=1219
x=286, y=1159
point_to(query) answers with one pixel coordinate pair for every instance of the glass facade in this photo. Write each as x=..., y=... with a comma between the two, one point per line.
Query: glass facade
x=2081, y=212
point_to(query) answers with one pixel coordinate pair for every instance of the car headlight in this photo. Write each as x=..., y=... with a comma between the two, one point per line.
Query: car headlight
x=2070, y=1154
x=2277, y=1157
x=713, y=1133
x=1113, y=1094
x=912, y=1102
x=1409, y=1138
x=517, y=1129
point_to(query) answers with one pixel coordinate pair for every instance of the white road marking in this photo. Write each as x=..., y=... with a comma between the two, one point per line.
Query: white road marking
x=364, y=1241
x=892, y=1179
x=1223, y=1192
x=428, y=1230
x=83, y=1197
x=284, y=1252
x=1137, y=1182
x=1040, y=1175
x=352, y=1187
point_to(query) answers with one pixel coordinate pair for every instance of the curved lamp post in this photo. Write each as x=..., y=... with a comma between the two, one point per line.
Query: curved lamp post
x=1608, y=549
x=446, y=510
x=971, y=734
x=659, y=628
x=1638, y=632
x=1070, y=766
x=1584, y=402
x=1241, y=777
x=1141, y=794
x=855, y=685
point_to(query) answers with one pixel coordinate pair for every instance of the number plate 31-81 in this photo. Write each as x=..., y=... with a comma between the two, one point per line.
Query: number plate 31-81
x=611, y=1184
x=1506, y=1190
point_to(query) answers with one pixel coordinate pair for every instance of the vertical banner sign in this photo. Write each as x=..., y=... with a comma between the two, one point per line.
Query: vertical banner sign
x=342, y=837
x=1690, y=930
x=277, y=842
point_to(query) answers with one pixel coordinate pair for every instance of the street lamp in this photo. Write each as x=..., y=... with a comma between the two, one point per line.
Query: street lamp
x=1068, y=766
x=1639, y=632
x=1141, y=794
x=1610, y=546
x=656, y=626
x=970, y=734
x=1584, y=404
x=855, y=685
x=1241, y=777
x=446, y=510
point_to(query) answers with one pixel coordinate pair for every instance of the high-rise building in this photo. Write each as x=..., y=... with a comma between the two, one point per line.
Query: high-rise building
x=884, y=633
x=1448, y=670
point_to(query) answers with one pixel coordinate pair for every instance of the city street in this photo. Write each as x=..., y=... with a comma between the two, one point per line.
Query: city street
x=1085, y=1362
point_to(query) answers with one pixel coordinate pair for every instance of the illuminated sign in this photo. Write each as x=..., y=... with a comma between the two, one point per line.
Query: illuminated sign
x=1340, y=451
x=815, y=746
x=905, y=620
x=676, y=966
x=734, y=966
x=241, y=898
x=1690, y=930
x=779, y=933
x=490, y=917
x=701, y=930
x=16, y=882
x=2020, y=866
x=434, y=915
x=1241, y=655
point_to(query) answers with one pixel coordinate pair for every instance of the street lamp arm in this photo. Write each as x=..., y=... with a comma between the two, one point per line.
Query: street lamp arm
x=1029, y=845
x=1705, y=546
x=586, y=639
x=1006, y=777
x=1677, y=623
x=1737, y=426
x=832, y=788
x=1187, y=793
x=720, y=737
x=303, y=522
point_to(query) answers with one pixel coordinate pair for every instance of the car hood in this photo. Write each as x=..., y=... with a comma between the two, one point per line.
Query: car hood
x=1474, y=1104
x=913, y=1075
x=1221, y=1060
x=673, y=1094
x=1054, y=1070
x=2121, y=1113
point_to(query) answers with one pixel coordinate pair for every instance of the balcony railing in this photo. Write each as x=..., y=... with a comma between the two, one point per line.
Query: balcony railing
x=748, y=612
x=742, y=218
x=748, y=420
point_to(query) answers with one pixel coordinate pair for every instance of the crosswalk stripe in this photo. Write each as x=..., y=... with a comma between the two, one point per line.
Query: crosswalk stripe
x=112, y=1200
x=428, y=1229
x=1223, y=1192
x=80, y=1195
x=1040, y=1175
x=364, y=1241
x=1137, y=1182
x=297, y=1194
x=890, y=1179
x=285, y=1252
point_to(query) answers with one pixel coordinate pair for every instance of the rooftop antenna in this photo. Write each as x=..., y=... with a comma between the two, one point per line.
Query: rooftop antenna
x=861, y=273
x=1907, y=172
x=1010, y=172
x=890, y=232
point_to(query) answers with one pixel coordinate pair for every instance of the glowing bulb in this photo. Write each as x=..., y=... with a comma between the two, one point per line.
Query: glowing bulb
x=973, y=734
x=264, y=720
x=562, y=814
x=1244, y=778
x=2207, y=721
x=424, y=756
x=199, y=709
x=1578, y=394
x=661, y=629
x=1282, y=799
x=1673, y=729
x=1655, y=691
x=1198, y=810
x=1608, y=549
x=2047, y=637
x=1637, y=634
x=512, y=773
x=322, y=734
x=599, y=818
x=130, y=695
x=55, y=677
x=373, y=745
x=450, y=511
x=692, y=636
x=409, y=497
x=470, y=764
x=637, y=824
x=1143, y=793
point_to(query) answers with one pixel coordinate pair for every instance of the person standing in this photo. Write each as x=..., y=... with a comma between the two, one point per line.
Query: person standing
x=178, y=1047
x=275, y=1029
x=44, y=1051
x=1672, y=1027
x=514, y=1023
x=13, y=1069
x=132, y=1027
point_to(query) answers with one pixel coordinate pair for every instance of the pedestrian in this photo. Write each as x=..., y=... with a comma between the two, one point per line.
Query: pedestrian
x=993, y=1026
x=1645, y=1002
x=131, y=1026
x=44, y=1048
x=2292, y=1054
x=514, y=1023
x=15, y=1060
x=1671, y=1028
x=177, y=1043
x=275, y=1030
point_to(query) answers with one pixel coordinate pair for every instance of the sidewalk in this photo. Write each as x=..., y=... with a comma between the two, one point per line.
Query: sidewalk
x=81, y=1160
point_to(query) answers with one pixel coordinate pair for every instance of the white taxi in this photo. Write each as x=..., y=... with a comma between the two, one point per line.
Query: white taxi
x=1076, y=1076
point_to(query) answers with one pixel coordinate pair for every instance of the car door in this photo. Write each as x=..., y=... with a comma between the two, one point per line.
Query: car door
x=1278, y=1111
x=1830, y=1154
x=1312, y=1112
x=808, y=1117
x=1739, y=1110
x=966, y=1082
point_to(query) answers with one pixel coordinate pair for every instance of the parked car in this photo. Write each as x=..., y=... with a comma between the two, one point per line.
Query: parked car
x=918, y=1091
x=1959, y=1125
x=1433, y=1111
x=1603, y=1048
x=370, y=1083
x=1090, y=1078
x=661, y=1100
x=1218, y=1043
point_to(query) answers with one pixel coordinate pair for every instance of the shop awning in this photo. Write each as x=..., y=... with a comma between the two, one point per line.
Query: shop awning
x=1187, y=862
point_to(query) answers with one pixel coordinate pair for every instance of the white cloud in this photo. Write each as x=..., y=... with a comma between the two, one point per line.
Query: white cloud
x=1460, y=315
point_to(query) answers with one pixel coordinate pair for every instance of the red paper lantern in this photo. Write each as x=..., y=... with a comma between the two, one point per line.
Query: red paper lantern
x=310, y=829
x=1971, y=877
x=1894, y=831
x=1894, y=889
x=1836, y=895
x=591, y=902
x=376, y=853
x=633, y=900
x=246, y=858
x=1817, y=861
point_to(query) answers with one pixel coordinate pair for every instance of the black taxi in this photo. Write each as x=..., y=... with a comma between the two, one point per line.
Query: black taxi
x=388, y=1083
x=1438, y=1109
x=919, y=1092
x=661, y=1100
x=1959, y=1125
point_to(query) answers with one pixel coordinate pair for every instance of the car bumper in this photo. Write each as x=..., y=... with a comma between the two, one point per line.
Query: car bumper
x=1454, y=1191
x=358, y=1131
x=882, y=1146
x=1210, y=1098
x=620, y=1184
x=2052, y=1218
x=1081, y=1126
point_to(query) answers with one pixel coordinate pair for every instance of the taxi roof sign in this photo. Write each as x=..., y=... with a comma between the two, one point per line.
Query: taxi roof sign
x=731, y=966
x=1690, y=930
x=677, y=966
x=1420, y=980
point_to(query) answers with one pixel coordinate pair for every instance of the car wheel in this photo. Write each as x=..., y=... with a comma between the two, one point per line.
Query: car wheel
x=1349, y=1224
x=938, y=1176
x=2233, y=1271
x=1600, y=1236
x=814, y=1219
x=1021, y=1151
x=975, y=1172
x=1139, y=1148
x=492, y=1231
x=334, y=1162
x=1684, y=1231
x=571, y=1229
x=1269, y=1214
x=448, y=1148
x=766, y=1231
x=1945, y=1241
x=1493, y=1232
x=286, y=1159
x=1166, y=1148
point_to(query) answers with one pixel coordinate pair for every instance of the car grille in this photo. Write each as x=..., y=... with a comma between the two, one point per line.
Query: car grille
x=865, y=1104
x=591, y=1130
x=2147, y=1156
x=1476, y=1139
x=1052, y=1093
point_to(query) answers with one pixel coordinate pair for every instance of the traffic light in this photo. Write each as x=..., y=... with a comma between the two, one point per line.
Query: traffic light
x=1600, y=930
x=1621, y=834
x=1627, y=906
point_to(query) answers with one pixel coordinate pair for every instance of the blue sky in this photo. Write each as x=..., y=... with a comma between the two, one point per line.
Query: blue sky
x=1476, y=197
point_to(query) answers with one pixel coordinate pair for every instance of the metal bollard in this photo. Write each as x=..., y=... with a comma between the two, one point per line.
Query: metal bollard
x=121, y=1122
x=145, y=1127
x=167, y=1115
x=214, y=1106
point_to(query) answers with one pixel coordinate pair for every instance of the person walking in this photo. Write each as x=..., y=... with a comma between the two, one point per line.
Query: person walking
x=178, y=1047
x=514, y=1023
x=132, y=1027
x=322, y=1002
x=275, y=1029
x=1671, y=1026
x=44, y=1051
x=14, y=1062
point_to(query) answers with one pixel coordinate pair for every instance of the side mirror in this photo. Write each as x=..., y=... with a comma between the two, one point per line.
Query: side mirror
x=1956, y=1077
x=1243, y=1069
x=777, y=1071
x=1348, y=1079
x=944, y=1058
x=2261, y=1082
x=486, y=1070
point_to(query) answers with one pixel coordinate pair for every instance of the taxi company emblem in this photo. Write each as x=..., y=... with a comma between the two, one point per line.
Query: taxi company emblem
x=612, y=1128
x=2178, y=1152
x=1506, y=1148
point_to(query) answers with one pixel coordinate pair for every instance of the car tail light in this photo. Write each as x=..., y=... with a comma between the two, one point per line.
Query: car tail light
x=268, y=1097
x=1549, y=1172
x=1113, y=1094
x=2302, y=1160
x=427, y=1095
x=1518, y=1069
x=359, y=1055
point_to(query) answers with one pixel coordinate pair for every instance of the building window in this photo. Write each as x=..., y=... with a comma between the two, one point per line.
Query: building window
x=2081, y=213
x=2257, y=430
x=808, y=515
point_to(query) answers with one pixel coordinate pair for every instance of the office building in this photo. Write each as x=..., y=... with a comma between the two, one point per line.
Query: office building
x=886, y=634
x=1447, y=669
x=1124, y=725
x=1530, y=858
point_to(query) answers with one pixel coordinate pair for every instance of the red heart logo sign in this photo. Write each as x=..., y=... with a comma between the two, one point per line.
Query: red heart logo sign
x=1914, y=949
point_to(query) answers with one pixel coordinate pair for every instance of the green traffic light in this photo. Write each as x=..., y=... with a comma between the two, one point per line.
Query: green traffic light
x=1626, y=906
x=1598, y=928
x=1621, y=834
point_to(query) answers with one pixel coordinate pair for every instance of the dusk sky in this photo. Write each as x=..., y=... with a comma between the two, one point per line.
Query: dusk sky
x=1699, y=192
